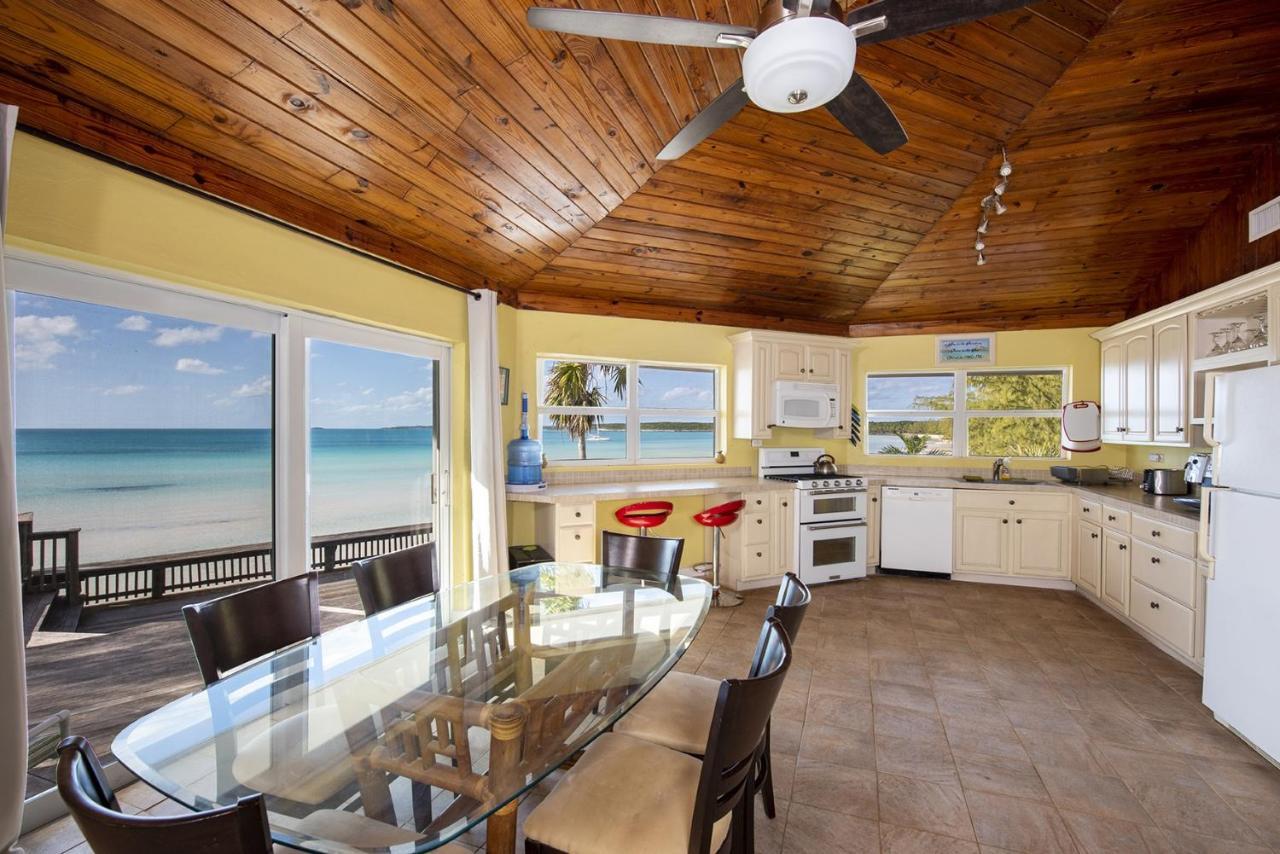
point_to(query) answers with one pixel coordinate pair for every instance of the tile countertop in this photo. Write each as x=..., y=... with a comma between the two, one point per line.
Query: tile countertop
x=1162, y=508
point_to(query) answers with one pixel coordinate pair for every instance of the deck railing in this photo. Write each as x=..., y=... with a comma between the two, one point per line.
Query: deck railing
x=51, y=566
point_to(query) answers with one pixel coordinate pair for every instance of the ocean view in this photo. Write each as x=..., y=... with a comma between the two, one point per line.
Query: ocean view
x=135, y=493
x=609, y=444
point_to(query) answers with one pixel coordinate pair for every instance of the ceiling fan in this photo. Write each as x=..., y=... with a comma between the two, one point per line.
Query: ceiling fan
x=798, y=57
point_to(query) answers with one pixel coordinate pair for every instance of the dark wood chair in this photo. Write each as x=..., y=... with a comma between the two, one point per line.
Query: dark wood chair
x=235, y=629
x=675, y=802
x=87, y=794
x=238, y=829
x=656, y=558
x=678, y=712
x=391, y=579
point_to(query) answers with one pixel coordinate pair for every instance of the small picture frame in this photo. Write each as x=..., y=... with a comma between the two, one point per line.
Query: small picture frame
x=974, y=349
x=504, y=383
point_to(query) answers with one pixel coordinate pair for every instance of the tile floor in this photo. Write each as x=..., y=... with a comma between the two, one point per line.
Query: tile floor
x=925, y=716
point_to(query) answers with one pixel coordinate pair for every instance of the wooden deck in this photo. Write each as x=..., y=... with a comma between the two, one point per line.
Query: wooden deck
x=126, y=660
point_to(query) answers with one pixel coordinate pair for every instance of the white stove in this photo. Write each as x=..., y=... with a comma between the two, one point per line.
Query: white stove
x=831, y=513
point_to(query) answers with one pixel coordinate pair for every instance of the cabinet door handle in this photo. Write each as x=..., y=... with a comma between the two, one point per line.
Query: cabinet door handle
x=1155, y=560
x=1111, y=518
x=1179, y=430
x=577, y=536
x=1084, y=510
x=1019, y=521
x=759, y=501
x=1155, y=605
x=802, y=370
x=1011, y=501
x=785, y=504
x=1155, y=533
x=1123, y=547
x=577, y=514
x=759, y=521
x=875, y=500
x=1004, y=521
x=1095, y=536
x=759, y=554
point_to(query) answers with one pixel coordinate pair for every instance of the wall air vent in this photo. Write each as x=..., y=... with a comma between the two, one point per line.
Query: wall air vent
x=1264, y=220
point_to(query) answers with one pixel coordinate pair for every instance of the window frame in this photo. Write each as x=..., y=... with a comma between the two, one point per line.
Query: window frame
x=632, y=412
x=38, y=273
x=960, y=413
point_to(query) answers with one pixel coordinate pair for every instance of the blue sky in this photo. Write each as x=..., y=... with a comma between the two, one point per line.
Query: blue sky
x=899, y=392
x=84, y=365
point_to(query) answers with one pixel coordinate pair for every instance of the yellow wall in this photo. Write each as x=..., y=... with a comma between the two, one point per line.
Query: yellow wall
x=67, y=204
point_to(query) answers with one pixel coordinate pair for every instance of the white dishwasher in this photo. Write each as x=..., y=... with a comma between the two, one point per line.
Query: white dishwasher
x=915, y=529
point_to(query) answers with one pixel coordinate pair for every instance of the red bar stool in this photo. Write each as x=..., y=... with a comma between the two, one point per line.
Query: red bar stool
x=644, y=515
x=716, y=518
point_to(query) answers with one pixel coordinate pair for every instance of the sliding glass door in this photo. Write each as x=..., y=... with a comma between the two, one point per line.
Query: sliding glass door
x=373, y=440
x=172, y=446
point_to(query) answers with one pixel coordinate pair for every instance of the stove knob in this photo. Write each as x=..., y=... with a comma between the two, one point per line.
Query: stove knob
x=826, y=483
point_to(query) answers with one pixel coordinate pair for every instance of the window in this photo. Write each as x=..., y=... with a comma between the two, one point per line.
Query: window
x=597, y=410
x=980, y=413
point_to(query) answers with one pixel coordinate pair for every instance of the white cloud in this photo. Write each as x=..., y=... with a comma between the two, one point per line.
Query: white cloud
x=123, y=390
x=36, y=339
x=176, y=337
x=408, y=400
x=257, y=388
x=134, y=323
x=197, y=366
x=367, y=392
x=684, y=392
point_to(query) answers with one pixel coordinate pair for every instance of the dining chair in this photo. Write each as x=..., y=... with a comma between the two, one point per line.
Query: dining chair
x=678, y=713
x=238, y=628
x=391, y=579
x=302, y=757
x=240, y=828
x=656, y=557
x=628, y=794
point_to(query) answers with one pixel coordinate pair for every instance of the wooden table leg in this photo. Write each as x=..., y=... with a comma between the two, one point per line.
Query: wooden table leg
x=506, y=730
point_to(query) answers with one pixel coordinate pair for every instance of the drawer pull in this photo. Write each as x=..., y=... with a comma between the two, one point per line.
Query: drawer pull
x=1019, y=521
x=1095, y=536
x=785, y=504
x=1011, y=501
x=1155, y=533
x=1123, y=547
x=759, y=521
x=1110, y=518
x=1155, y=560
x=1085, y=510
x=1004, y=521
x=1155, y=605
x=759, y=554
x=577, y=514
x=577, y=536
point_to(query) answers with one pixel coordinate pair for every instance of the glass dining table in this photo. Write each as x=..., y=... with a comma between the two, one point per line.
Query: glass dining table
x=402, y=731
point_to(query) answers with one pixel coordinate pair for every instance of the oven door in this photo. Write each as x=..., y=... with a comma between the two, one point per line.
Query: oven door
x=831, y=505
x=833, y=552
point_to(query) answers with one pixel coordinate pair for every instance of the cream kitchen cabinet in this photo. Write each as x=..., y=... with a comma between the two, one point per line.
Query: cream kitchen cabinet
x=761, y=359
x=1088, y=556
x=1115, y=570
x=1169, y=385
x=760, y=546
x=1126, y=387
x=873, y=526
x=1023, y=534
x=567, y=530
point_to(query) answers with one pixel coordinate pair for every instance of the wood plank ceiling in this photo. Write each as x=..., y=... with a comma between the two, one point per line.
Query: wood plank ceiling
x=452, y=139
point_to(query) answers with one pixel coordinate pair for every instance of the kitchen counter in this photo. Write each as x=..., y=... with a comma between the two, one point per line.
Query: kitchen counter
x=577, y=493
x=1162, y=508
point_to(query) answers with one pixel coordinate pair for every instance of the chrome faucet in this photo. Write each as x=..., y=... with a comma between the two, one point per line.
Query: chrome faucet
x=999, y=470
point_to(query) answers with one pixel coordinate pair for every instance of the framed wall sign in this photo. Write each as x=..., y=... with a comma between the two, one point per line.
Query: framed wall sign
x=966, y=349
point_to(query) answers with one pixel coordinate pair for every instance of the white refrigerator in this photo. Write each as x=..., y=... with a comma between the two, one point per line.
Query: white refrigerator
x=1242, y=608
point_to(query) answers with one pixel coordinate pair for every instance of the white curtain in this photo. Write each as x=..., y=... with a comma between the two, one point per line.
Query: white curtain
x=13, y=676
x=488, y=458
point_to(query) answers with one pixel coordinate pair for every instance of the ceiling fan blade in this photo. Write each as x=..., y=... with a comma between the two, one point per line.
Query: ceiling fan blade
x=861, y=109
x=652, y=29
x=707, y=122
x=909, y=17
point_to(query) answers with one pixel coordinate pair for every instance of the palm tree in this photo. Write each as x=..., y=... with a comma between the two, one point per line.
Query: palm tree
x=582, y=384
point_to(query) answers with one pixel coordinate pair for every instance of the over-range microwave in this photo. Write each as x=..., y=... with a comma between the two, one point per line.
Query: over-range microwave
x=809, y=405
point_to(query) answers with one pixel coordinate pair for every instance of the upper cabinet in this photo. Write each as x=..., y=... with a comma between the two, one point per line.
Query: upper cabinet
x=1126, y=387
x=796, y=360
x=761, y=359
x=1155, y=367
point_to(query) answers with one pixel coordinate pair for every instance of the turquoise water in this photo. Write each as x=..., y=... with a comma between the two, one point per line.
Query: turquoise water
x=135, y=493
x=612, y=445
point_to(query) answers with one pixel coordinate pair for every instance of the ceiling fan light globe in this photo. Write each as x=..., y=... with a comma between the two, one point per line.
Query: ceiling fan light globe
x=799, y=64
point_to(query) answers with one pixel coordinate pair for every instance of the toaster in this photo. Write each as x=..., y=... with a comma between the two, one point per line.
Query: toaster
x=1164, y=481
